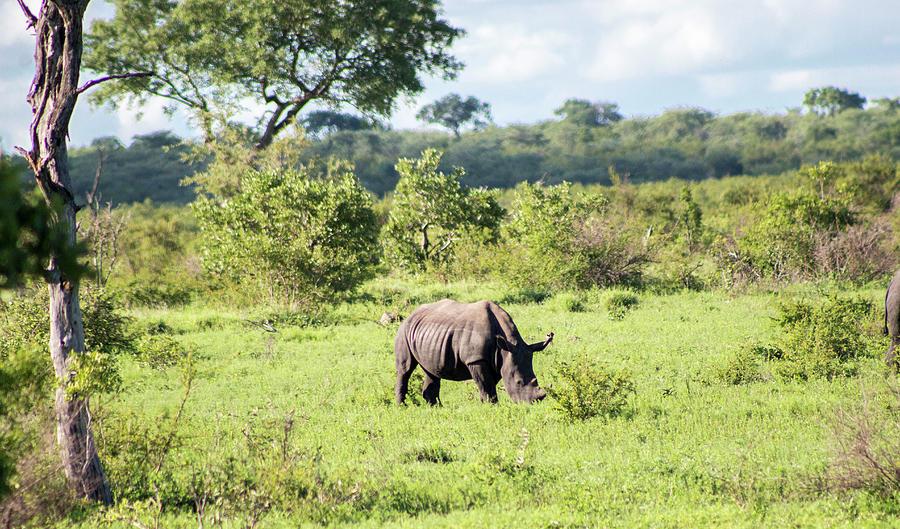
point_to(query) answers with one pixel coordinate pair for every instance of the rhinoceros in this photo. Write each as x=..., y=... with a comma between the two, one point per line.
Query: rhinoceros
x=892, y=318
x=462, y=341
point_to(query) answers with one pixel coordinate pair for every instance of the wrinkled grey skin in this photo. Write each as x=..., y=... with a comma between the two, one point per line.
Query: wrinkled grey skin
x=892, y=319
x=462, y=341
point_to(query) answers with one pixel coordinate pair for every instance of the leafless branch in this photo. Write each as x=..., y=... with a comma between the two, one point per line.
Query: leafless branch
x=32, y=20
x=89, y=84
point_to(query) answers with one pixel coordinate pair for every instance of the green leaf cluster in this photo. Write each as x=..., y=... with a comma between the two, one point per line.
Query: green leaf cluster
x=30, y=233
x=821, y=339
x=432, y=211
x=214, y=55
x=547, y=235
x=452, y=112
x=582, y=390
x=291, y=233
x=782, y=242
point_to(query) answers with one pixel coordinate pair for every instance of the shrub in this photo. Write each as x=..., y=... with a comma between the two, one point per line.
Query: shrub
x=857, y=254
x=559, y=238
x=161, y=351
x=582, y=390
x=291, y=234
x=866, y=446
x=618, y=303
x=33, y=492
x=742, y=367
x=822, y=339
x=432, y=211
x=25, y=321
x=782, y=243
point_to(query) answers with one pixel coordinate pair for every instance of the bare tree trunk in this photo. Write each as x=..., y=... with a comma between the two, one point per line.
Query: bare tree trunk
x=52, y=96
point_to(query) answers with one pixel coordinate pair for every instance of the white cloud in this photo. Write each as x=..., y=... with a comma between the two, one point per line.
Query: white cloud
x=505, y=53
x=12, y=23
x=879, y=80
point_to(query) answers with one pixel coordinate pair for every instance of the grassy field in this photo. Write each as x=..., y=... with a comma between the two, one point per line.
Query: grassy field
x=298, y=427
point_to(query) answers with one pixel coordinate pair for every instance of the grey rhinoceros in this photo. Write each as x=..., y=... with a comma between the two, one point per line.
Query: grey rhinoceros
x=462, y=341
x=892, y=318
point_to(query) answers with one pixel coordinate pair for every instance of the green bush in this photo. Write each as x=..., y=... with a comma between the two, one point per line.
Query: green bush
x=559, y=238
x=824, y=338
x=291, y=235
x=25, y=320
x=618, y=303
x=160, y=351
x=741, y=368
x=433, y=211
x=582, y=390
x=782, y=244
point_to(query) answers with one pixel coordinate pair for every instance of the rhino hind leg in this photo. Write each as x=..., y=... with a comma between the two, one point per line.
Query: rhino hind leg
x=406, y=364
x=485, y=380
x=890, y=358
x=431, y=389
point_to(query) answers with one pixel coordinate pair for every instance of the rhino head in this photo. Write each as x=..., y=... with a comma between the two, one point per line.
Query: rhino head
x=516, y=369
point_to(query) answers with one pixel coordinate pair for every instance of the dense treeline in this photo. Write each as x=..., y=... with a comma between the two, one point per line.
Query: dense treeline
x=686, y=143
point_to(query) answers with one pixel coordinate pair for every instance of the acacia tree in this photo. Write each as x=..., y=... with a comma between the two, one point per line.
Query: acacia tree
x=452, y=112
x=831, y=100
x=54, y=91
x=278, y=54
x=584, y=113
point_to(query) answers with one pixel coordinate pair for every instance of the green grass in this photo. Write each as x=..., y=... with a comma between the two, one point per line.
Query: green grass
x=689, y=451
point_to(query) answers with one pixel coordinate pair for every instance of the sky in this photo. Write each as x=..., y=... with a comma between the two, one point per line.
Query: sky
x=526, y=57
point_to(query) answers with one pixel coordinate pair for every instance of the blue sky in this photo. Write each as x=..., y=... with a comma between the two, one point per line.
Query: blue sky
x=526, y=57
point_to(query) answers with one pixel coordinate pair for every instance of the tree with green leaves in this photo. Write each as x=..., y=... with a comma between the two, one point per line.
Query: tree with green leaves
x=584, y=113
x=830, y=100
x=54, y=91
x=432, y=211
x=454, y=112
x=277, y=54
x=299, y=235
x=321, y=122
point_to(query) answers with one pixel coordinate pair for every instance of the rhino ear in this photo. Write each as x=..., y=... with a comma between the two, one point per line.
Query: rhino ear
x=502, y=343
x=541, y=346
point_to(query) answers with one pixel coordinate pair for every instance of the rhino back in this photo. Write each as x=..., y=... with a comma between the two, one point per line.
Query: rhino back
x=447, y=335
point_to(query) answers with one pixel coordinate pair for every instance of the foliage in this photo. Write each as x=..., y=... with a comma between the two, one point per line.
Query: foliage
x=281, y=55
x=25, y=379
x=452, y=112
x=432, y=211
x=106, y=328
x=583, y=113
x=319, y=123
x=742, y=367
x=823, y=339
x=24, y=323
x=865, y=445
x=29, y=234
x=583, y=390
x=691, y=219
x=151, y=166
x=161, y=351
x=830, y=100
x=33, y=492
x=619, y=302
x=782, y=243
x=93, y=373
x=292, y=233
x=559, y=237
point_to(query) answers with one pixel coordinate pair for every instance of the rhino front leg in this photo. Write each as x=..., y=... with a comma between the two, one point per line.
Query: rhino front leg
x=405, y=364
x=431, y=389
x=485, y=380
